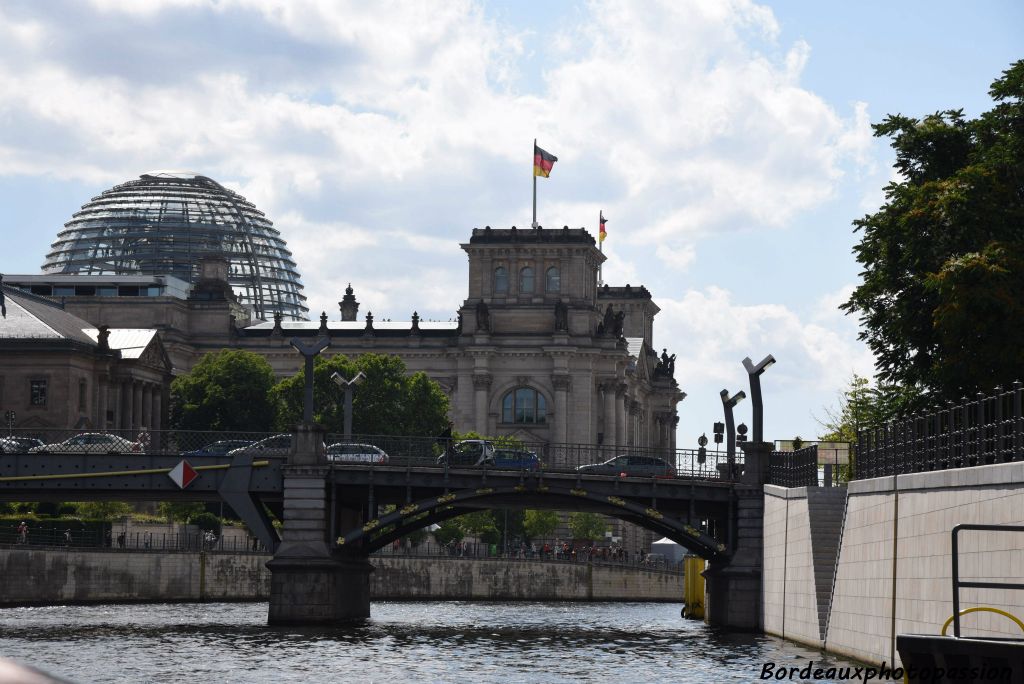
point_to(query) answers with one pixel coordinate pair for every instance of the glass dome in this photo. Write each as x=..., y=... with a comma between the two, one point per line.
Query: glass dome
x=162, y=223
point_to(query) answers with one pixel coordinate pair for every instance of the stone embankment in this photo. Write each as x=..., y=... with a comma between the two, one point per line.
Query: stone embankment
x=51, y=576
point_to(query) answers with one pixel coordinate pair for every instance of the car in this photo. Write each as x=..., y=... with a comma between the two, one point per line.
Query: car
x=630, y=466
x=18, y=445
x=278, y=445
x=469, y=452
x=516, y=459
x=91, y=443
x=356, y=453
x=219, y=448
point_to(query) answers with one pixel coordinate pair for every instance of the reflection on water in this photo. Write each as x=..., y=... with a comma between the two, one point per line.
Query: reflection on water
x=449, y=641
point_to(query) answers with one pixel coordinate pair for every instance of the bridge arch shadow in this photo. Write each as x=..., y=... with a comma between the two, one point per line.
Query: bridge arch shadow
x=382, y=531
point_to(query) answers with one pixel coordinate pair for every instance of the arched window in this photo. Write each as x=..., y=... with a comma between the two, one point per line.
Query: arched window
x=523, y=405
x=526, y=280
x=553, y=281
x=500, y=280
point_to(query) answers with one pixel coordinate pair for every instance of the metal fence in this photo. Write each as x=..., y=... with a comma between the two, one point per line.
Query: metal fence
x=398, y=450
x=89, y=540
x=794, y=468
x=973, y=432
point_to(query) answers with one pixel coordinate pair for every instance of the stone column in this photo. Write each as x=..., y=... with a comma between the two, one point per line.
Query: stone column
x=620, y=413
x=562, y=384
x=610, y=434
x=481, y=389
x=101, y=405
x=310, y=584
x=147, y=406
x=158, y=406
x=125, y=423
x=136, y=390
x=733, y=588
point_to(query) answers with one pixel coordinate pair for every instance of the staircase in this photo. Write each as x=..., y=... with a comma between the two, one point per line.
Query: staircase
x=825, y=508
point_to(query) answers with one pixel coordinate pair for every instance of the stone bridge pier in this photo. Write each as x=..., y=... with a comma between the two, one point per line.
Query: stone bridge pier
x=732, y=596
x=311, y=584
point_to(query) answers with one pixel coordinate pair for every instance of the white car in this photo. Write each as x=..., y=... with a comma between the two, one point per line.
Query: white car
x=356, y=453
x=91, y=443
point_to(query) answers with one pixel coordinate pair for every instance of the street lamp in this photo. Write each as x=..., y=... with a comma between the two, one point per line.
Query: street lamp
x=348, y=386
x=754, y=373
x=728, y=404
x=309, y=350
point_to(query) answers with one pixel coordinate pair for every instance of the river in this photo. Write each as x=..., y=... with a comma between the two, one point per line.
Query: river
x=475, y=643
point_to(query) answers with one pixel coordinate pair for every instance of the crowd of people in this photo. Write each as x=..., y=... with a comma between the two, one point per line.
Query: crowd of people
x=553, y=550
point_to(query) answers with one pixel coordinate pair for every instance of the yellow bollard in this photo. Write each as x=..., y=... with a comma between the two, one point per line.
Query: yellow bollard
x=693, y=588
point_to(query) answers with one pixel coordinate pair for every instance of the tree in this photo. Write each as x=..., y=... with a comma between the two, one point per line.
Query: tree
x=539, y=524
x=585, y=525
x=103, y=510
x=943, y=258
x=180, y=511
x=447, y=532
x=387, y=402
x=227, y=390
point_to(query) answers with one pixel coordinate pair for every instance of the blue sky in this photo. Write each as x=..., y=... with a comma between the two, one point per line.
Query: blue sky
x=728, y=142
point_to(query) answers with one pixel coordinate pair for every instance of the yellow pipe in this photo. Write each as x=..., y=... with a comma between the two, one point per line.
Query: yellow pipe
x=115, y=473
x=981, y=608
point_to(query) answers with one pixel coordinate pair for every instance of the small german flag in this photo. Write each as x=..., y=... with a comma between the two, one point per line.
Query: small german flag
x=602, y=233
x=542, y=162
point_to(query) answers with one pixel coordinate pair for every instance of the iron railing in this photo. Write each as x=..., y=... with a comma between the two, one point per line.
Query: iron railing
x=400, y=451
x=794, y=468
x=973, y=432
x=93, y=539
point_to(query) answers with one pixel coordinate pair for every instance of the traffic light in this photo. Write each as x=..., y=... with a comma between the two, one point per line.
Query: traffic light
x=719, y=428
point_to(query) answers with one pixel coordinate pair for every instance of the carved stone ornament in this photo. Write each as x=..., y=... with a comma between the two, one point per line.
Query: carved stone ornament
x=482, y=382
x=561, y=383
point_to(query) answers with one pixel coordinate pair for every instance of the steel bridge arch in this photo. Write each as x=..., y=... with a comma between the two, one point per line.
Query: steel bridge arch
x=438, y=508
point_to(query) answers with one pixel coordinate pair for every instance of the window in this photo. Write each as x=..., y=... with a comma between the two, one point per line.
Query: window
x=553, y=281
x=37, y=393
x=500, y=280
x=523, y=405
x=526, y=280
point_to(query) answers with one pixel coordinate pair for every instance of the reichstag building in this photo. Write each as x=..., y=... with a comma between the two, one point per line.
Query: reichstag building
x=177, y=266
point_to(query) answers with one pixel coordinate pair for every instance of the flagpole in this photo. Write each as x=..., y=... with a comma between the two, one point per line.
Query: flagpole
x=600, y=246
x=534, y=224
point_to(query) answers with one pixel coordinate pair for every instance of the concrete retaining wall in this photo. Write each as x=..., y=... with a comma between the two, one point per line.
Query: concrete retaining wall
x=37, y=576
x=894, y=572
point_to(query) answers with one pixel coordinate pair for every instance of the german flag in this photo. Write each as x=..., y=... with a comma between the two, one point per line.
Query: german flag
x=542, y=162
x=602, y=233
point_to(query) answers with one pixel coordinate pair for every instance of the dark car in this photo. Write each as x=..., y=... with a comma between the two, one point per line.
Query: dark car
x=631, y=466
x=516, y=459
x=219, y=448
x=470, y=452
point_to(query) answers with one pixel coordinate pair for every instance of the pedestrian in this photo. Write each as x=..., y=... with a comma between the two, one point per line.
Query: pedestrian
x=22, y=533
x=121, y=539
x=67, y=537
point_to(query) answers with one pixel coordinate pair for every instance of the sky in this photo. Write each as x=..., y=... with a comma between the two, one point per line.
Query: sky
x=728, y=142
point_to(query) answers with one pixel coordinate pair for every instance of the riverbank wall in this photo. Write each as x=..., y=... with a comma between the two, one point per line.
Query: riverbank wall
x=889, y=570
x=51, y=576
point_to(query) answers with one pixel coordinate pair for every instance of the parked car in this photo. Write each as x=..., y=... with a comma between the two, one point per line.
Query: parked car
x=631, y=466
x=356, y=453
x=516, y=459
x=219, y=448
x=278, y=445
x=469, y=452
x=18, y=445
x=91, y=443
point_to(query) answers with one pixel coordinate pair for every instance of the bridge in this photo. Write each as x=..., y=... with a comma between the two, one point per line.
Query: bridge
x=334, y=513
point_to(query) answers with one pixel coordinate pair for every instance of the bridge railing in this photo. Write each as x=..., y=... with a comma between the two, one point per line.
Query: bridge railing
x=794, y=468
x=92, y=539
x=398, y=450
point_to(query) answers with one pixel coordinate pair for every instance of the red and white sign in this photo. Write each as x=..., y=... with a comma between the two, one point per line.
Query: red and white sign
x=183, y=474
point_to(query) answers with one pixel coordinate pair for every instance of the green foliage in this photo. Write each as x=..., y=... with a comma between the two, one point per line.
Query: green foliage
x=109, y=511
x=207, y=522
x=943, y=263
x=447, y=532
x=387, y=402
x=861, y=406
x=227, y=390
x=180, y=511
x=538, y=524
x=585, y=525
